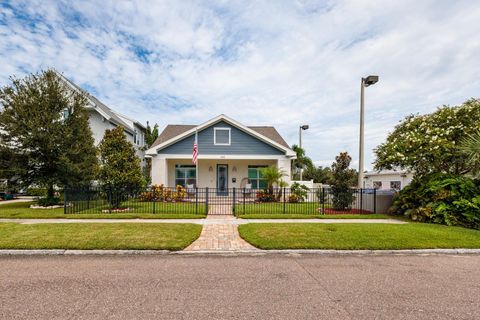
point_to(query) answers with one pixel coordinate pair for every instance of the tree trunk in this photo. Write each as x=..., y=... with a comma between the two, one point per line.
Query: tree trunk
x=50, y=192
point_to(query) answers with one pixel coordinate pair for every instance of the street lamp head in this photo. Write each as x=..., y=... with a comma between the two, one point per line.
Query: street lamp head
x=304, y=127
x=370, y=80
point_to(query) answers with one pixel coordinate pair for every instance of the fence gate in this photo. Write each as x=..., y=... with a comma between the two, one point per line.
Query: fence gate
x=221, y=201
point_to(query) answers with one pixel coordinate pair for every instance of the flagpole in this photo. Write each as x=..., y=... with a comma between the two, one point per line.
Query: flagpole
x=196, y=162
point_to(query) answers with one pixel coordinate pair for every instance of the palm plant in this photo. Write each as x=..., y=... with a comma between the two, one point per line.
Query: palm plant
x=470, y=147
x=273, y=175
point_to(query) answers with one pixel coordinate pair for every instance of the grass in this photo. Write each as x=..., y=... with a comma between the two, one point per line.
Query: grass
x=314, y=216
x=140, y=207
x=358, y=236
x=306, y=208
x=98, y=236
x=22, y=210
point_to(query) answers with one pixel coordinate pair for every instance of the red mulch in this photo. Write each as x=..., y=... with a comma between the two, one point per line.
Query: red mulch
x=350, y=211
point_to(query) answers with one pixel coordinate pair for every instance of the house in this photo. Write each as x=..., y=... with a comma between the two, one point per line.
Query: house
x=102, y=118
x=387, y=179
x=230, y=154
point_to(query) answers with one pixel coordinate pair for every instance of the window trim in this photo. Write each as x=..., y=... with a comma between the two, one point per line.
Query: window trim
x=185, y=167
x=257, y=179
x=215, y=136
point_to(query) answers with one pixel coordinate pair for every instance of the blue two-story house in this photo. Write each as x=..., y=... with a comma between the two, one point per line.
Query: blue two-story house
x=230, y=155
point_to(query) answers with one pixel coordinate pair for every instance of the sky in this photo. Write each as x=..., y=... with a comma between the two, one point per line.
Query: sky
x=280, y=63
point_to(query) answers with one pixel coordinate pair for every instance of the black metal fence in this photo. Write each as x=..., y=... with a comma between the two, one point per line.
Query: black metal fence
x=237, y=201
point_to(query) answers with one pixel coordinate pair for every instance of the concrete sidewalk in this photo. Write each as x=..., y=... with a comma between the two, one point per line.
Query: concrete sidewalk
x=226, y=220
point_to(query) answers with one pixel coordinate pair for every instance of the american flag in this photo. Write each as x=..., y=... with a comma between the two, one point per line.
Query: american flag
x=195, y=149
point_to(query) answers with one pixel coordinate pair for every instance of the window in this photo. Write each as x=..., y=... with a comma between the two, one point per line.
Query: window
x=255, y=177
x=135, y=137
x=377, y=184
x=395, y=185
x=185, y=174
x=221, y=136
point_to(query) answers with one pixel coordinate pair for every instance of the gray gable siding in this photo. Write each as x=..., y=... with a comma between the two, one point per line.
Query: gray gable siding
x=241, y=143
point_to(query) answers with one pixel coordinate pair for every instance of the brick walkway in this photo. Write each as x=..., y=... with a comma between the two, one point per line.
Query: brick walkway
x=222, y=237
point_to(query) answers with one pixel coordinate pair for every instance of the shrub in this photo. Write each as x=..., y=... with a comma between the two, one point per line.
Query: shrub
x=299, y=191
x=265, y=196
x=49, y=201
x=37, y=192
x=441, y=198
x=293, y=198
x=160, y=193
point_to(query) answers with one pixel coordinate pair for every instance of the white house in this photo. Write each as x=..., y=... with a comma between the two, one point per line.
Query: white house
x=102, y=118
x=230, y=154
x=387, y=179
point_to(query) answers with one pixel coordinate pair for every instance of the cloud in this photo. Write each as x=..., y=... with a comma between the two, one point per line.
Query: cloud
x=283, y=63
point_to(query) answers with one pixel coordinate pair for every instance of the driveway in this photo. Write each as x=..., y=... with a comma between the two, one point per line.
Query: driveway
x=240, y=287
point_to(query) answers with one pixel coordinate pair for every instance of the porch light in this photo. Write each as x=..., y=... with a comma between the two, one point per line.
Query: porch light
x=210, y=169
x=234, y=169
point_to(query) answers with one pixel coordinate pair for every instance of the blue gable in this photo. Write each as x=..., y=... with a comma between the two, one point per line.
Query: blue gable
x=241, y=143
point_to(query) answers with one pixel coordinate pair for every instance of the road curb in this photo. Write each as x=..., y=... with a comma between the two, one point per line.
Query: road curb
x=60, y=252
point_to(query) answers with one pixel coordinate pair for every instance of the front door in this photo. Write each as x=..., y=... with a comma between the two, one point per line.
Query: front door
x=222, y=179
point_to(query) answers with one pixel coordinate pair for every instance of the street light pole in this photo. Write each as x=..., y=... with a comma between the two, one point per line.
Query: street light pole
x=304, y=127
x=366, y=82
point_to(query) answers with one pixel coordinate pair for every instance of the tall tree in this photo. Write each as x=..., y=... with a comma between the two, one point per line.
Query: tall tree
x=301, y=162
x=430, y=143
x=151, y=134
x=341, y=179
x=120, y=170
x=44, y=132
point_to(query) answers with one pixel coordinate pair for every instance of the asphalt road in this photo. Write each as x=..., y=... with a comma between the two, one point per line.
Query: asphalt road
x=240, y=287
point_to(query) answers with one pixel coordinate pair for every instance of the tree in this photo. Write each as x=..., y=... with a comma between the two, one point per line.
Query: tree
x=150, y=137
x=120, y=170
x=318, y=174
x=430, y=143
x=301, y=162
x=341, y=179
x=470, y=147
x=151, y=134
x=273, y=175
x=44, y=133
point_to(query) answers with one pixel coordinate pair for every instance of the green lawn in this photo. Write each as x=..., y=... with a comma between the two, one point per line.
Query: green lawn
x=98, y=236
x=358, y=236
x=310, y=216
x=304, y=208
x=23, y=210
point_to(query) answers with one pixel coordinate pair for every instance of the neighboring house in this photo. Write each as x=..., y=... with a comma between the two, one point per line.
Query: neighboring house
x=230, y=155
x=387, y=179
x=103, y=118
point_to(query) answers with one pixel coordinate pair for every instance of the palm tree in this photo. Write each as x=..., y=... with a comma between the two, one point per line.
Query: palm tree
x=470, y=147
x=273, y=175
x=302, y=161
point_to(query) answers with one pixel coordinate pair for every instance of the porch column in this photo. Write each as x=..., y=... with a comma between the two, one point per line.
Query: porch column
x=285, y=165
x=159, y=171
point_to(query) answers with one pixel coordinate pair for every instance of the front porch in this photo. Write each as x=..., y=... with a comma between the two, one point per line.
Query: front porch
x=216, y=173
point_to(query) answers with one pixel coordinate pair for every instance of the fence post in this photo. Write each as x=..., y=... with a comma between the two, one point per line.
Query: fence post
x=361, y=200
x=323, y=200
x=284, y=200
x=196, y=200
x=65, y=200
x=206, y=200
x=153, y=204
x=244, y=190
x=109, y=200
x=234, y=200
x=374, y=200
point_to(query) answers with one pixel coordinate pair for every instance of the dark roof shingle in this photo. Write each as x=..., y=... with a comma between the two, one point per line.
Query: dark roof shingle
x=173, y=130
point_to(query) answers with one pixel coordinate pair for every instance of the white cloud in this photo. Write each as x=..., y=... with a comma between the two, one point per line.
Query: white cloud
x=280, y=62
